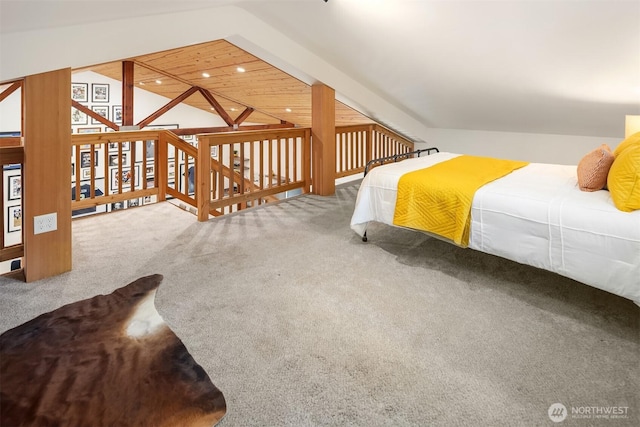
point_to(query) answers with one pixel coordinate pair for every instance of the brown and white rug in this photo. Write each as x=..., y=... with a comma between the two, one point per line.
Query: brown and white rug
x=106, y=361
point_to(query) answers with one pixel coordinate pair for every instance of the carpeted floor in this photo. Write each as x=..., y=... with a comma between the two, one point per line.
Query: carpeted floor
x=300, y=323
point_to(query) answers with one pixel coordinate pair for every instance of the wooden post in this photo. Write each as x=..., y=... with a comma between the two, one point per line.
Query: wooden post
x=47, y=175
x=323, y=130
x=203, y=178
x=127, y=93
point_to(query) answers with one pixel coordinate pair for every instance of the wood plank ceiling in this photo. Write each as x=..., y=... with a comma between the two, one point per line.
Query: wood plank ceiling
x=274, y=95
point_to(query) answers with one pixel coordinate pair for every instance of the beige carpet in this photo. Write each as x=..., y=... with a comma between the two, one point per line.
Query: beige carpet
x=302, y=324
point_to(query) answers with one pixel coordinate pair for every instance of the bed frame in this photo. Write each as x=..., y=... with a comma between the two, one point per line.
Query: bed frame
x=395, y=158
x=555, y=210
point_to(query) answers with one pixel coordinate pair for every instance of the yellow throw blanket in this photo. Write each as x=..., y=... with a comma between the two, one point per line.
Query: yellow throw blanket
x=438, y=199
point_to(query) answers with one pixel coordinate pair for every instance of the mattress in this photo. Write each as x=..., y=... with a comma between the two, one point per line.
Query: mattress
x=535, y=215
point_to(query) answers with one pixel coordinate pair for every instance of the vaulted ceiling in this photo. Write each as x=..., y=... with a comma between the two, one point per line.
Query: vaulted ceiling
x=552, y=66
x=273, y=95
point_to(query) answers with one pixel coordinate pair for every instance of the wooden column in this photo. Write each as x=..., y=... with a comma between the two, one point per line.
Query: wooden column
x=47, y=172
x=127, y=93
x=323, y=132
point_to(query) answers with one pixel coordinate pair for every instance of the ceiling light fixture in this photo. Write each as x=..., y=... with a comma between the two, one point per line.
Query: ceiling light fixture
x=288, y=110
x=141, y=83
x=206, y=75
x=159, y=81
x=240, y=70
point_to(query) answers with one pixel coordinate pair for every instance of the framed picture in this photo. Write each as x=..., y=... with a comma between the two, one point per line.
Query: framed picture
x=88, y=130
x=85, y=159
x=116, y=114
x=99, y=92
x=113, y=146
x=14, y=216
x=102, y=110
x=78, y=117
x=114, y=161
x=188, y=138
x=150, y=171
x=125, y=178
x=80, y=92
x=15, y=187
x=214, y=151
x=86, y=173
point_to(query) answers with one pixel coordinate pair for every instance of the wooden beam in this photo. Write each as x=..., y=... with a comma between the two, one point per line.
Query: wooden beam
x=127, y=93
x=5, y=93
x=323, y=131
x=243, y=116
x=168, y=106
x=94, y=115
x=216, y=106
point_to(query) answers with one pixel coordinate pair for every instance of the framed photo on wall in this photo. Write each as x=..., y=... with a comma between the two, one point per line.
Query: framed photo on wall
x=78, y=117
x=15, y=187
x=80, y=92
x=99, y=92
x=116, y=114
x=14, y=216
x=102, y=110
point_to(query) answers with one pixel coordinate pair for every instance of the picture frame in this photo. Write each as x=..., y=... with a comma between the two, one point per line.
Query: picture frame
x=113, y=159
x=85, y=159
x=113, y=146
x=86, y=173
x=80, y=92
x=88, y=130
x=102, y=110
x=99, y=92
x=14, y=191
x=127, y=174
x=14, y=218
x=78, y=117
x=116, y=114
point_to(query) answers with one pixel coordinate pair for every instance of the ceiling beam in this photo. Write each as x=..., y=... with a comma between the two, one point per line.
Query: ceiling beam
x=15, y=86
x=242, y=117
x=216, y=106
x=168, y=106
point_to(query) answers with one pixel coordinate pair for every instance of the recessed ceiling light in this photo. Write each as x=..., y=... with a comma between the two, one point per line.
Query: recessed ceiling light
x=233, y=109
x=206, y=75
x=159, y=81
x=141, y=83
x=240, y=70
x=288, y=110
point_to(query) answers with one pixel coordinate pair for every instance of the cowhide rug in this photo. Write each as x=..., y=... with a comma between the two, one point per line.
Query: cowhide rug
x=106, y=361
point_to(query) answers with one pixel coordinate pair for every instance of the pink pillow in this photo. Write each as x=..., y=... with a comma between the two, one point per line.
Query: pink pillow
x=594, y=168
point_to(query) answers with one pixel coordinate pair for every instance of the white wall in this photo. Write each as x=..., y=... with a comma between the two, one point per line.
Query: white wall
x=539, y=148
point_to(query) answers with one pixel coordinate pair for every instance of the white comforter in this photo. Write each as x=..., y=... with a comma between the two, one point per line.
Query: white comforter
x=536, y=215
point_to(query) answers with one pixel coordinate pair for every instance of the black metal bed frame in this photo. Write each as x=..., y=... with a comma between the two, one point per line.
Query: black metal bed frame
x=395, y=158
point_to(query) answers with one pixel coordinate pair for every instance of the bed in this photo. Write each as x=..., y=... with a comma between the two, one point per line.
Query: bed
x=534, y=215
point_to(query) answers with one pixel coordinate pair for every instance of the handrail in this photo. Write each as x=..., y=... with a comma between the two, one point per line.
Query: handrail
x=265, y=163
x=358, y=144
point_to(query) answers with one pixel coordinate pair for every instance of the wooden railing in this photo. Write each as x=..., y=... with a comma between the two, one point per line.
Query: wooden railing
x=130, y=169
x=356, y=145
x=227, y=172
x=237, y=170
x=11, y=153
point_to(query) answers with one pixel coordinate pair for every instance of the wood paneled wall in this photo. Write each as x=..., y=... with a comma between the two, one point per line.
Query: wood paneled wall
x=47, y=174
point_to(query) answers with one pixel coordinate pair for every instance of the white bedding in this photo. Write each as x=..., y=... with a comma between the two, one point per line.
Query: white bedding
x=536, y=215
